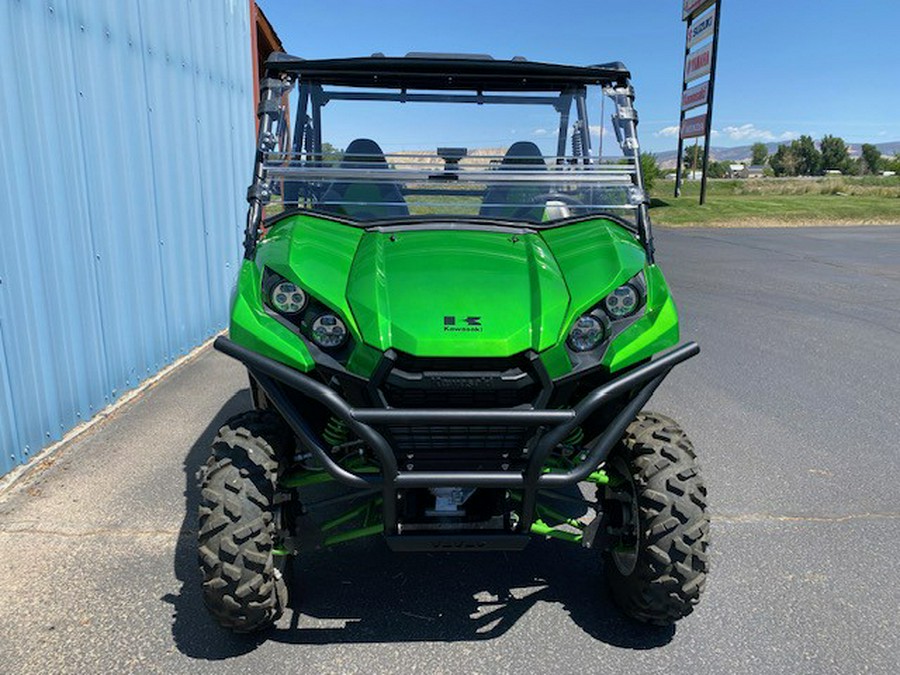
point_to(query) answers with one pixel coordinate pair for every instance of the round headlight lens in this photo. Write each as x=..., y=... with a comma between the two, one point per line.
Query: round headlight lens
x=586, y=334
x=329, y=331
x=622, y=302
x=287, y=297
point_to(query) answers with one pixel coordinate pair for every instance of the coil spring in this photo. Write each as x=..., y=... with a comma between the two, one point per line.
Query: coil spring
x=577, y=143
x=336, y=431
x=575, y=437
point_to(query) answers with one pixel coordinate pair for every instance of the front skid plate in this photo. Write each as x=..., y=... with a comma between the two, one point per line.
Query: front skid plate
x=457, y=542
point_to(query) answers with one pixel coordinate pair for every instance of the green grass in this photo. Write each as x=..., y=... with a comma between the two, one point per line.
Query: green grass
x=780, y=201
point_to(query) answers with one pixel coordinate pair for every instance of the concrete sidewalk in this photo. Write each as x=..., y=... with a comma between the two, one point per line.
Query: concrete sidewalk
x=98, y=570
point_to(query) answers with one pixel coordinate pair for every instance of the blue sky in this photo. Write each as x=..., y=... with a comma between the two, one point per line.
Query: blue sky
x=785, y=68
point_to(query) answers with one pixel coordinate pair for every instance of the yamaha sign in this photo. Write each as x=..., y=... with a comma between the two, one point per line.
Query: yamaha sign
x=698, y=64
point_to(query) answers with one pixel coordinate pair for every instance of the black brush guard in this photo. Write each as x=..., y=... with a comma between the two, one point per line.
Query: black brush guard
x=639, y=383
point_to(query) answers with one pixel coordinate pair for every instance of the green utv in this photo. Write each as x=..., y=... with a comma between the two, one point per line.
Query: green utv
x=450, y=349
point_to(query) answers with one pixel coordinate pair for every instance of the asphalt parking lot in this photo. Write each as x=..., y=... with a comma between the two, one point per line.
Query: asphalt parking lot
x=792, y=404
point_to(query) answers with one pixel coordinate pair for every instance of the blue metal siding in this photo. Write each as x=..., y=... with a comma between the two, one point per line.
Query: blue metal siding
x=126, y=145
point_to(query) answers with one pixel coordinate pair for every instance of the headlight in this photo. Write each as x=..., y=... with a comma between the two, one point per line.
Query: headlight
x=622, y=302
x=287, y=297
x=586, y=334
x=329, y=331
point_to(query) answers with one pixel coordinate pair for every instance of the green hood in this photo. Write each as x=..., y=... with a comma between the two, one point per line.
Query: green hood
x=459, y=291
x=482, y=293
x=443, y=293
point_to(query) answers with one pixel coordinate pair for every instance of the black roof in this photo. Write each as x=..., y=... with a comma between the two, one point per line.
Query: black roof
x=447, y=71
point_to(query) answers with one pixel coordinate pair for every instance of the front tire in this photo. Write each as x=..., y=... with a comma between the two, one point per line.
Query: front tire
x=243, y=584
x=658, y=561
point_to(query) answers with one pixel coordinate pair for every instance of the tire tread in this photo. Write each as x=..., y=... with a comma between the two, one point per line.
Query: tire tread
x=673, y=559
x=241, y=586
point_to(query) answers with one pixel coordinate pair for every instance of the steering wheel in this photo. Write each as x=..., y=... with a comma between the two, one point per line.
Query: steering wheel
x=556, y=197
x=528, y=212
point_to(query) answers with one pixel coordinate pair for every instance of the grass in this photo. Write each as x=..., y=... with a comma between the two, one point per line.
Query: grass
x=761, y=202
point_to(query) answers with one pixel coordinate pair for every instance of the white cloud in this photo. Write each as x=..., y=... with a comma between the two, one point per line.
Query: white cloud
x=539, y=132
x=598, y=130
x=667, y=131
x=750, y=132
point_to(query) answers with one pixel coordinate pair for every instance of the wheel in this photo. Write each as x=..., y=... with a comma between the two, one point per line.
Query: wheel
x=657, y=560
x=243, y=582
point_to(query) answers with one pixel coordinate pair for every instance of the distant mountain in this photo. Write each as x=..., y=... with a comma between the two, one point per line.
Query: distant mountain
x=742, y=153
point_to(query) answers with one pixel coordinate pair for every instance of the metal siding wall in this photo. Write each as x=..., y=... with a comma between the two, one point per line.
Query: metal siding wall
x=126, y=146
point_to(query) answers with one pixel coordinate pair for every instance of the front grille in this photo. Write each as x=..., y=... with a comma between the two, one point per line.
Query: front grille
x=485, y=383
x=445, y=448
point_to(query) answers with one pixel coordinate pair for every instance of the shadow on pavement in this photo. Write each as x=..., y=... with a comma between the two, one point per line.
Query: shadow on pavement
x=361, y=592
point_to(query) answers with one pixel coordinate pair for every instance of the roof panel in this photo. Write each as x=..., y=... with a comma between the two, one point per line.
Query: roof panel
x=443, y=71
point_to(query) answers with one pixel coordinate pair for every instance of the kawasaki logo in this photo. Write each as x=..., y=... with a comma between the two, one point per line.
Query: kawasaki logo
x=468, y=324
x=456, y=382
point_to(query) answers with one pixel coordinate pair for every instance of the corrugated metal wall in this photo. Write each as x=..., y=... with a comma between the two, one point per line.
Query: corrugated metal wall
x=126, y=140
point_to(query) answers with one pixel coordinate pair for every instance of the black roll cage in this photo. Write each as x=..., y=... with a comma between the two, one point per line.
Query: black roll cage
x=456, y=77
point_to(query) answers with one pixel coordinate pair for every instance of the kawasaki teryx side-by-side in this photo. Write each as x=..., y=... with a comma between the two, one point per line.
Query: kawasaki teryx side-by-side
x=450, y=345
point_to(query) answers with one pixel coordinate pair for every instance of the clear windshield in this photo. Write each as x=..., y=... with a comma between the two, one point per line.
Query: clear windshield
x=369, y=155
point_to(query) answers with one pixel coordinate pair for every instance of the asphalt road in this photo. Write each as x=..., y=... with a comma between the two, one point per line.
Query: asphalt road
x=793, y=406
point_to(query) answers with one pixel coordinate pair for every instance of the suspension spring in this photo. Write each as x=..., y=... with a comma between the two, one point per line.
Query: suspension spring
x=577, y=142
x=336, y=431
x=575, y=437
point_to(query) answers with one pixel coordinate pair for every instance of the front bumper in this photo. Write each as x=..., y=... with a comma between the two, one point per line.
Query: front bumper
x=553, y=426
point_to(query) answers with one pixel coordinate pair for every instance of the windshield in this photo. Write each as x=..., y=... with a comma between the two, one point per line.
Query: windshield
x=367, y=155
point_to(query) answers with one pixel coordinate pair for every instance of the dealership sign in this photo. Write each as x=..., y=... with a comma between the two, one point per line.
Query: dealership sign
x=701, y=28
x=698, y=63
x=693, y=127
x=701, y=44
x=695, y=96
x=693, y=7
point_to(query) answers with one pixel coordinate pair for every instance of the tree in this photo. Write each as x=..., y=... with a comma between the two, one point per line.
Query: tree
x=893, y=164
x=759, y=154
x=650, y=170
x=693, y=157
x=871, y=159
x=331, y=154
x=784, y=162
x=718, y=169
x=809, y=160
x=835, y=155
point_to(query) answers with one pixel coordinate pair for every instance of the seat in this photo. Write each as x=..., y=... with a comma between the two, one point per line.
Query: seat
x=358, y=199
x=509, y=202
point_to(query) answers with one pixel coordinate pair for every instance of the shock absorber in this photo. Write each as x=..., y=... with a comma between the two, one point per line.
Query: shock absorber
x=336, y=431
x=577, y=143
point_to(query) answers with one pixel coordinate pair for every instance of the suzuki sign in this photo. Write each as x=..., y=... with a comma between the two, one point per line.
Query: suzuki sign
x=701, y=28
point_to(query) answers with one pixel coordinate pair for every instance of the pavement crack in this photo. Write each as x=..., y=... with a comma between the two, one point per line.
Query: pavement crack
x=738, y=518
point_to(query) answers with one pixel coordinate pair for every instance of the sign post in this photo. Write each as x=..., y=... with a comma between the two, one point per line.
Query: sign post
x=699, y=63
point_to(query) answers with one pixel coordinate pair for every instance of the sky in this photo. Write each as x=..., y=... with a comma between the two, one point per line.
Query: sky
x=785, y=67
